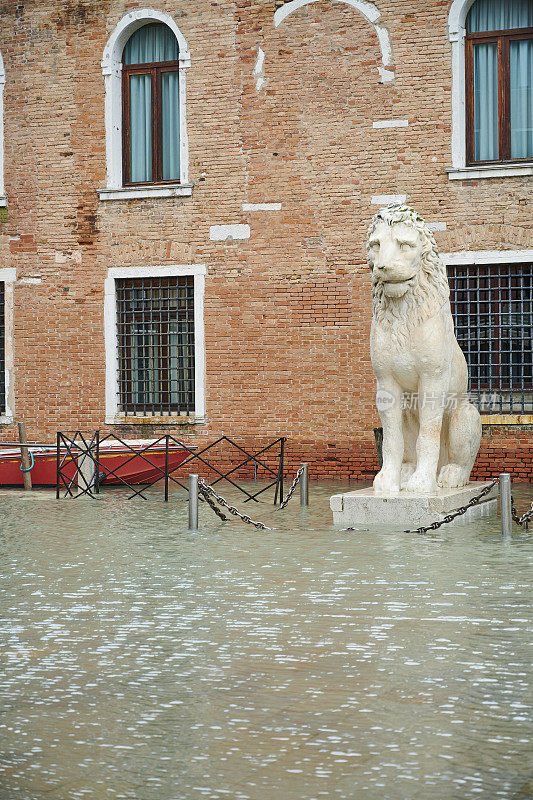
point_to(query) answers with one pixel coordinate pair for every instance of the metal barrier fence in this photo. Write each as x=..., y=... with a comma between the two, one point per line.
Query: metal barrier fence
x=86, y=462
x=80, y=470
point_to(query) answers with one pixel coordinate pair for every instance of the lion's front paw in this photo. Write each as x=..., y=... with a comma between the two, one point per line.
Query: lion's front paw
x=452, y=476
x=387, y=481
x=421, y=483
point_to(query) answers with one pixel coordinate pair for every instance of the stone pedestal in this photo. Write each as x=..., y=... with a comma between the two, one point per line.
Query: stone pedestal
x=364, y=507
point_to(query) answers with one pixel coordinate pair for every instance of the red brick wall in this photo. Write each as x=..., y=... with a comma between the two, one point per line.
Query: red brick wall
x=506, y=449
x=287, y=312
x=503, y=450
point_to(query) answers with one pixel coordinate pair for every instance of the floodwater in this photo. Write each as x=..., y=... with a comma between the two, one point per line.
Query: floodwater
x=143, y=661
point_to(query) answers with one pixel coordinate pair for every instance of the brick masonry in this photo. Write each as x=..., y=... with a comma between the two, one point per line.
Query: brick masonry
x=287, y=311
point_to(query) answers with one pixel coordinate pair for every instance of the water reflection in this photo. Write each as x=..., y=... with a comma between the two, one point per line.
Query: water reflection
x=145, y=662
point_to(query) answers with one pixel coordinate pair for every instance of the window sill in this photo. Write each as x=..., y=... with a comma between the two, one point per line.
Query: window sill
x=507, y=419
x=152, y=420
x=489, y=171
x=146, y=192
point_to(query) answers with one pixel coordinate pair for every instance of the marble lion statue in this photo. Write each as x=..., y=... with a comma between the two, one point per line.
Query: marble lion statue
x=431, y=432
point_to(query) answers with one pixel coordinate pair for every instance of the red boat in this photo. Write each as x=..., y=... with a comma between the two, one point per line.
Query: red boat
x=142, y=466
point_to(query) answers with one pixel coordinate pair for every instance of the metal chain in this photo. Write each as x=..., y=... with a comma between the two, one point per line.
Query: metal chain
x=208, y=490
x=449, y=517
x=524, y=519
x=290, y=493
x=211, y=504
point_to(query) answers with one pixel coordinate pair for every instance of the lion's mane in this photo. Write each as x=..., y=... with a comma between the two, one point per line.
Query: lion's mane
x=428, y=292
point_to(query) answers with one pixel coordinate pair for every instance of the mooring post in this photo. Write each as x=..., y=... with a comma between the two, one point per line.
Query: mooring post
x=87, y=467
x=58, y=463
x=304, y=486
x=166, y=468
x=193, y=502
x=97, y=464
x=281, y=467
x=505, y=504
x=24, y=456
x=378, y=436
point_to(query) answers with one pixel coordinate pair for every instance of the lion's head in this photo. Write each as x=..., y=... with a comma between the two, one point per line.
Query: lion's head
x=409, y=282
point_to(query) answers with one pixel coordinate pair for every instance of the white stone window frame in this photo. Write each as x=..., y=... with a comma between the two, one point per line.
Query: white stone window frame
x=8, y=276
x=467, y=257
x=3, y=198
x=113, y=416
x=112, y=72
x=461, y=257
x=459, y=171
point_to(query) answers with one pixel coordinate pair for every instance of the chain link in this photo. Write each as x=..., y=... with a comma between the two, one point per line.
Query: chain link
x=207, y=490
x=290, y=493
x=524, y=519
x=458, y=512
x=211, y=504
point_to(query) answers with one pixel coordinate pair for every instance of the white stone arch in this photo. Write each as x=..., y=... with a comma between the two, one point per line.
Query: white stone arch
x=112, y=72
x=456, y=34
x=369, y=11
x=3, y=201
x=457, y=15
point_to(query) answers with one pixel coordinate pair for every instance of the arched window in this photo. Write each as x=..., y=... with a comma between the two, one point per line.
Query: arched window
x=150, y=81
x=499, y=81
x=144, y=65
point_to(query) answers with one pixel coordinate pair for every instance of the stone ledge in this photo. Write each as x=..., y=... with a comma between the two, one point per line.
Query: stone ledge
x=507, y=419
x=138, y=420
x=146, y=192
x=489, y=171
x=406, y=510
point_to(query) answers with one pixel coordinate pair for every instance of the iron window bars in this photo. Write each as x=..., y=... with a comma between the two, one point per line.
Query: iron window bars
x=492, y=305
x=155, y=332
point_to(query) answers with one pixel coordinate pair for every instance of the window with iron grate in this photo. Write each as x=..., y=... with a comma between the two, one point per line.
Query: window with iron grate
x=492, y=305
x=155, y=332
